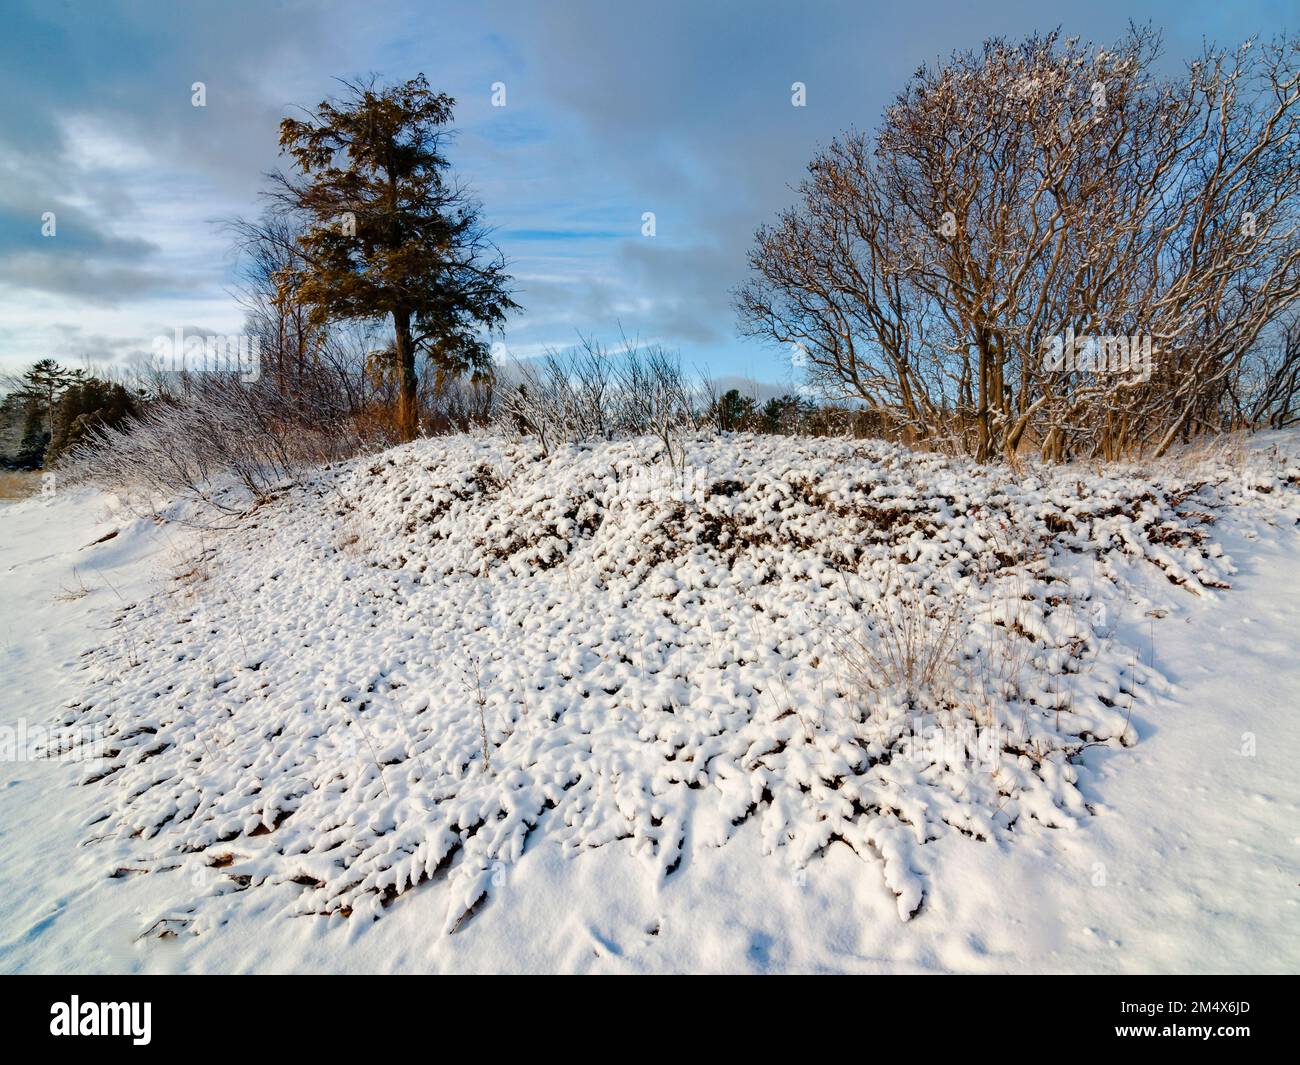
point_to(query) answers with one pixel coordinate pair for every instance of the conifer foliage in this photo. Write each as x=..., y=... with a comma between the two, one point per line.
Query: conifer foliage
x=390, y=233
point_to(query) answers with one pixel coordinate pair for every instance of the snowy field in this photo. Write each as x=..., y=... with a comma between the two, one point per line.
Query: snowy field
x=803, y=705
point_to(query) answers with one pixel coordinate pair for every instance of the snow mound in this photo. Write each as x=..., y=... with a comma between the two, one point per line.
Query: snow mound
x=398, y=672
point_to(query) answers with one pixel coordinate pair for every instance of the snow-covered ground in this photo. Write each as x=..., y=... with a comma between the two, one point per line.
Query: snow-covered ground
x=699, y=756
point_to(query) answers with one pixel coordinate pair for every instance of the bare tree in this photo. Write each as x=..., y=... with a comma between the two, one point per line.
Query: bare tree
x=1267, y=390
x=1040, y=190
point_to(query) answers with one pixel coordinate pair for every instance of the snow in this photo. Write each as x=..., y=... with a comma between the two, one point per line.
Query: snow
x=695, y=759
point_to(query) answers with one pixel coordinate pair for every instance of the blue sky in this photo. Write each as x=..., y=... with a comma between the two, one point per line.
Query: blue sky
x=612, y=110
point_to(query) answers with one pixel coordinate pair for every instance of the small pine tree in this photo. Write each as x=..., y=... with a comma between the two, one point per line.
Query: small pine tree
x=31, y=450
x=735, y=412
x=88, y=405
x=786, y=414
x=43, y=383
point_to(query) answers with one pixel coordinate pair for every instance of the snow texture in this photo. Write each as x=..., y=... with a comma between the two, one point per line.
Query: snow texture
x=399, y=672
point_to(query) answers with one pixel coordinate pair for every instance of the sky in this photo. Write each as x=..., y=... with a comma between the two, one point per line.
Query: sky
x=611, y=110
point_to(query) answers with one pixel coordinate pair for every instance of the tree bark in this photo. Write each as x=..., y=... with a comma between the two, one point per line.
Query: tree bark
x=408, y=416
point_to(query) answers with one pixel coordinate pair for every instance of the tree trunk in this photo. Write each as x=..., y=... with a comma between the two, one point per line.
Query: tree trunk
x=984, y=445
x=408, y=416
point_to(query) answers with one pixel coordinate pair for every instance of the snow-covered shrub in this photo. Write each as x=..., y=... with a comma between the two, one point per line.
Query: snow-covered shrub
x=217, y=434
x=648, y=669
x=908, y=640
x=589, y=393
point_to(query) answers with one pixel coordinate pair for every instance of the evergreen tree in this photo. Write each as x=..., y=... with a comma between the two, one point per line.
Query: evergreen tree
x=389, y=234
x=44, y=383
x=786, y=414
x=91, y=404
x=31, y=450
x=735, y=412
x=40, y=387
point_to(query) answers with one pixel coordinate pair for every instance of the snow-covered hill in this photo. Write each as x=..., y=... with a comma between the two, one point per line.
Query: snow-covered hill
x=803, y=703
